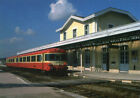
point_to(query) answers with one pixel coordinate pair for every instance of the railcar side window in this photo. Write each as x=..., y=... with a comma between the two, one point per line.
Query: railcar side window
x=24, y=59
x=39, y=58
x=13, y=60
x=16, y=59
x=28, y=58
x=33, y=58
x=20, y=59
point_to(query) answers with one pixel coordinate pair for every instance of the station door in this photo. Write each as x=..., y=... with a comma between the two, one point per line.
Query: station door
x=124, y=58
x=105, y=59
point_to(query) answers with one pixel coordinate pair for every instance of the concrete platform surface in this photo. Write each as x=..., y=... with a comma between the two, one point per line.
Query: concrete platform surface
x=28, y=91
x=109, y=75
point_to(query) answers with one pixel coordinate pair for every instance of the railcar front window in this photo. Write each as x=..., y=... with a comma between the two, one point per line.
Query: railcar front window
x=55, y=57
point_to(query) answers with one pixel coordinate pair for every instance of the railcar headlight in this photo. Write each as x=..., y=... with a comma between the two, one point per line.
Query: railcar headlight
x=65, y=63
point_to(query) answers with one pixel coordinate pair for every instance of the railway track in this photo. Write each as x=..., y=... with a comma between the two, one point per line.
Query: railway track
x=90, y=88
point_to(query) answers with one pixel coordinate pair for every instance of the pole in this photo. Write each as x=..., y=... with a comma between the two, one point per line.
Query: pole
x=81, y=61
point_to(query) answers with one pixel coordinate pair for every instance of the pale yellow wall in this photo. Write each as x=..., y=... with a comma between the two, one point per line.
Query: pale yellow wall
x=114, y=57
x=92, y=27
x=135, y=46
x=80, y=29
x=99, y=23
x=112, y=18
x=69, y=30
x=61, y=36
x=75, y=25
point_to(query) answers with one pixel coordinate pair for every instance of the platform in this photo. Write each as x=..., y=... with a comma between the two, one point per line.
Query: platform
x=12, y=86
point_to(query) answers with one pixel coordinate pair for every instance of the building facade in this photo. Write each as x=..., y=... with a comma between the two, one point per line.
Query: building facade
x=112, y=56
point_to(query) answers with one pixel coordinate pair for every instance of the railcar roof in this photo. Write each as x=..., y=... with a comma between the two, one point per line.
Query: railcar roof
x=51, y=50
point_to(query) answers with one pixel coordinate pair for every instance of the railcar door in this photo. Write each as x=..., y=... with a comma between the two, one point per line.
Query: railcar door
x=16, y=60
x=43, y=61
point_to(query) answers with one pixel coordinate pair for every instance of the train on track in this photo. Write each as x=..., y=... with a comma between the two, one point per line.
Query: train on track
x=53, y=59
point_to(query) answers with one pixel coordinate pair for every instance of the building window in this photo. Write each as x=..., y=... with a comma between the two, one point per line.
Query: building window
x=86, y=29
x=74, y=33
x=64, y=36
x=124, y=55
x=110, y=26
x=87, y=58
x=134, y=54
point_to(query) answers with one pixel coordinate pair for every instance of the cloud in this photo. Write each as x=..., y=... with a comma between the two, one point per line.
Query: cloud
x=29, y=31
x=15, y=39
x=11, y=40
x=61, y=9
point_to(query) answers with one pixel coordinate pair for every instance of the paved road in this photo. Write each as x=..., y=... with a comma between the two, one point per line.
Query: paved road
x=22, y=89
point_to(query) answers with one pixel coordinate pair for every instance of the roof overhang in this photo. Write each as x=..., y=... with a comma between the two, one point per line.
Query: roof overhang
x=96, y=15
x=106, y=33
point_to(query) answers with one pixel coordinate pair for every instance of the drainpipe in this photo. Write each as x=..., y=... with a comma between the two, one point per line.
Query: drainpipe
x=81, y=61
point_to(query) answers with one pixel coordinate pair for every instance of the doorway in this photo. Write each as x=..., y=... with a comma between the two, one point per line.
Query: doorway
x=105, y=59
x=124, y=58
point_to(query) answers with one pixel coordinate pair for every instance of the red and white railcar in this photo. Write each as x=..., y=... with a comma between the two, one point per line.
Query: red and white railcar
x=53, y=59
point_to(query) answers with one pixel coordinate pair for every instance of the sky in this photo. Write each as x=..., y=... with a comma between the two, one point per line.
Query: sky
x=26, y=24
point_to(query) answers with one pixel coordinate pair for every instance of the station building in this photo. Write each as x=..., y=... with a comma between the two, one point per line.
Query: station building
x=108, y=40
